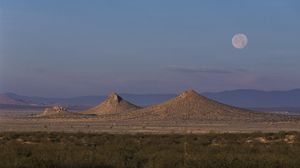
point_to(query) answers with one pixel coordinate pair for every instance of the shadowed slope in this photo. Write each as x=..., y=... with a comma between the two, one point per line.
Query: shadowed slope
x=189, y=105
x=114, y=104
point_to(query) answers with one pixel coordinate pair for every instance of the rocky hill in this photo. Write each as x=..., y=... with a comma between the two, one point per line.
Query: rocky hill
x=58, y=112
x=191, y=106
x=114, y=104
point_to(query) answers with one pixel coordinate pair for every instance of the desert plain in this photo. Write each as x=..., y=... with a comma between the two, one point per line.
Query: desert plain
x=187, y=113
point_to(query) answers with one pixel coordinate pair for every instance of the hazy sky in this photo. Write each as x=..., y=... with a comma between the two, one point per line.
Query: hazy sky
x=70, y=48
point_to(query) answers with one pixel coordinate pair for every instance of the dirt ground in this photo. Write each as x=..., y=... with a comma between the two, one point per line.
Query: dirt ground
x=96, y=125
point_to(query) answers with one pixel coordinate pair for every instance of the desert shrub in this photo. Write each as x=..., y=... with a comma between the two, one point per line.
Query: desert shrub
x=79, y=150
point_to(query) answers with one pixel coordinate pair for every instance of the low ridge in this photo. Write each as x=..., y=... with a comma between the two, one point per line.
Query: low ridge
x=54, y=110
x=60, y=112
x=189, y=105
x=114, y=104
x=8, y=99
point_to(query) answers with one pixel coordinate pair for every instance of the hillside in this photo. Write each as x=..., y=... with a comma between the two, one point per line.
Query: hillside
x=8, y=99
x=114, y=104
x=189, y=105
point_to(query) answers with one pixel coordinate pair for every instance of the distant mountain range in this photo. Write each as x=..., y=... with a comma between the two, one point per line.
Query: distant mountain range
x=86, y=101
x=257, y=98
x=239, y=98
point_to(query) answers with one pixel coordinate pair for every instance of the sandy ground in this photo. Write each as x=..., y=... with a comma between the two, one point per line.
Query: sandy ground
x=92, y=125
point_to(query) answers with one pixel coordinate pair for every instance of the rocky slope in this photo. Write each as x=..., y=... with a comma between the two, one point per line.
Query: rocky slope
x=114, y=104
x=191, y=106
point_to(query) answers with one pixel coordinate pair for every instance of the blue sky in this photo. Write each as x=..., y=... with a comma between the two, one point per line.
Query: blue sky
x=70, y=48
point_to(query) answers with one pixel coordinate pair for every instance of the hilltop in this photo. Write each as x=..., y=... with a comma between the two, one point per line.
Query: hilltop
x=114, y=104
x=190, y=105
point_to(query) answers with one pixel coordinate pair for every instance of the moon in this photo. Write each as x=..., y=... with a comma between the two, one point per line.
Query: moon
x=239, y=41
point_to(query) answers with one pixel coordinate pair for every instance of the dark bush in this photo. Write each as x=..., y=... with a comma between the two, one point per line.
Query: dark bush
x=79, y=150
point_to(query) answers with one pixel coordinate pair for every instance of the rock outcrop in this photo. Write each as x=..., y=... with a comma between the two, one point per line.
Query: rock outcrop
x=58, y=112
x=55, y=110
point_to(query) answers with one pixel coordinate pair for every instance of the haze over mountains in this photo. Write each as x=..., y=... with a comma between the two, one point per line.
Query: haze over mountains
x=239, y=98
x=257, y=98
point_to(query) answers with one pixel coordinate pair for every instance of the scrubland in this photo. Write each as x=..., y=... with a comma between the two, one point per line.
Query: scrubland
x=81, y=150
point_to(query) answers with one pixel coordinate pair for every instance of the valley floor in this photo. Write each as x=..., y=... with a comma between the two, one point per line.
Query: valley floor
x=95, y=125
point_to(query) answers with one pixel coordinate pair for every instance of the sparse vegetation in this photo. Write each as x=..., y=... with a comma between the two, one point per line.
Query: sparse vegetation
x=79, y=150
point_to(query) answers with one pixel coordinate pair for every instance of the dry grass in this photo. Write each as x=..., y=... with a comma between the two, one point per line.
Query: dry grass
x=78, y=150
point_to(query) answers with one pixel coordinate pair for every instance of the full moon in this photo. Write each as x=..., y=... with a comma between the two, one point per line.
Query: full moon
x=239, y=41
